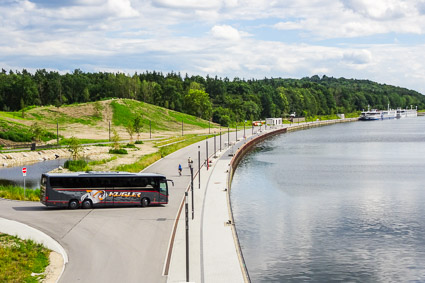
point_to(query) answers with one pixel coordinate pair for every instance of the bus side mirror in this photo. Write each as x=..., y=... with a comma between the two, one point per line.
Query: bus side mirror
x=172, y=182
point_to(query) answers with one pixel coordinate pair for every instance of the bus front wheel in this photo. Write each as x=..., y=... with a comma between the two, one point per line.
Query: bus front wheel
x=86, y=204
x=145, y=202
x=73, y=204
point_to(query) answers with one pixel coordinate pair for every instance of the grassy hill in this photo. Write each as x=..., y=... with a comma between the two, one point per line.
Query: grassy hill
x=93, y=120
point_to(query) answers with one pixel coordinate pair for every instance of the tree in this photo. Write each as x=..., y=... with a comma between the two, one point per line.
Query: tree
x=130, y=130
x=197, y=102
x=75, y=147
x=37, y=131
x=115, y=139
x=137, y=126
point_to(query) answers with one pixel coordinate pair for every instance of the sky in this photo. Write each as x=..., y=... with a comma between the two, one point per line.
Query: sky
x=379, y=40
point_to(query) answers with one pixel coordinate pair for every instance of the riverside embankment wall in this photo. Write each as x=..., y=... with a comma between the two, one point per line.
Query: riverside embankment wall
x=246, y=148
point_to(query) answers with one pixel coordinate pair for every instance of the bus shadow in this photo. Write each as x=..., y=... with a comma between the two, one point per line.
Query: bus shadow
x=44, y=208
x=34, y=208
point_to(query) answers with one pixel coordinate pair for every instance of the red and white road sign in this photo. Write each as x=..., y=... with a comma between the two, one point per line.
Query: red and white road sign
x=24, y=171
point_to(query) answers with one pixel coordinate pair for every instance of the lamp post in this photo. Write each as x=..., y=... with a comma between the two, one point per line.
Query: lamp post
x=199, y=167
x=186, y=209
x=215, y=150
x=191, y=188
x=220, y=138
x=228, y=136
x=244, y=135
x=208, y=164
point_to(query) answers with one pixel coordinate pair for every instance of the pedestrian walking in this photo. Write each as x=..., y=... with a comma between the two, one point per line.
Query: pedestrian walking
x=189, y=162
x=180, y=169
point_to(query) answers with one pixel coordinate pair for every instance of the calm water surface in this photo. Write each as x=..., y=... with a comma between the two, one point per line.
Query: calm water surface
x=342, y=203
x=13, y=175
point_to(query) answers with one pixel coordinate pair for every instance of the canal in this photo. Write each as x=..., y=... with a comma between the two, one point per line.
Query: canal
x=14, y=176
x=335, y=204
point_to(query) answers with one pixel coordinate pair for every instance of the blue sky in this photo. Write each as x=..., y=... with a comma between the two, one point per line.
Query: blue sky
x=380, y=40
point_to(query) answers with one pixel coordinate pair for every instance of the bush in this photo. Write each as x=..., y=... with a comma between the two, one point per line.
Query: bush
x=139, y=142
x=130, y=145
x=77, y=165
x=118, y=151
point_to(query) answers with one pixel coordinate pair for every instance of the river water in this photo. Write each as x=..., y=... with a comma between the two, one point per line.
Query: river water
x=341, y=203
x=14, y=176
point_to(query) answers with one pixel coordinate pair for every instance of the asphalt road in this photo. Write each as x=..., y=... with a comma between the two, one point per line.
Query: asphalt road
x=116, y=244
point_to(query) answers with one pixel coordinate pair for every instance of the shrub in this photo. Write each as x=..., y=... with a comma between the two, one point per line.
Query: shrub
x=118, y=151
x=130, y=145
x=77, y=165
x=139, y=142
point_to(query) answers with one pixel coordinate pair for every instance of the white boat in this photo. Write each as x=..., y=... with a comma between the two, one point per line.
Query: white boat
x=375, y=114
x=403, y=113
x=388, y=114
x=371, y=115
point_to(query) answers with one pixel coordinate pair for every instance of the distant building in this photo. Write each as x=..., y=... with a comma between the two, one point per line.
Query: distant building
x=273, y=121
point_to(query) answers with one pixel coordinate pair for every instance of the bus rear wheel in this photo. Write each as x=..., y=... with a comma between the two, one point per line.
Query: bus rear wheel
x=145, y=202
x=73, y=204
x=86, y=204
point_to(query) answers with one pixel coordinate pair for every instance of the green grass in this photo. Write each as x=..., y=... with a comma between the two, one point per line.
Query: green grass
x=103, y=161
x=147, y=160
x=20, y=258
x=17, y=193
x=161, y=119
x=83, y=141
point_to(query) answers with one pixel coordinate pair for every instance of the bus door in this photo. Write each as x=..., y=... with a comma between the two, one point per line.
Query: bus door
x=163, y=191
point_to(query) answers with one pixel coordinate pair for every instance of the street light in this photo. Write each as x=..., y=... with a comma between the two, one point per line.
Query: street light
x=199, y=167
x=186, y=209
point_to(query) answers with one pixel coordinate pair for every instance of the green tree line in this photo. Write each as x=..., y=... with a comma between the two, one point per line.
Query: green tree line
x=220, y=99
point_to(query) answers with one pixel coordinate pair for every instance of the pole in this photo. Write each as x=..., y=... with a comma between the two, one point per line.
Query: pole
x=191, y=188
x=187, y=237
x=228, y=136
x=57, y=133
x=208, y=164
x=24, y=187
x=199, y=167
x=236, y=131
x=220, y=138
x=150, y=129
x=215, y=148
x=244, y=135
x=252, y=130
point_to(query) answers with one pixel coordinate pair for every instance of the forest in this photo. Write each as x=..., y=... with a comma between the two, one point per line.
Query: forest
x=220, y=100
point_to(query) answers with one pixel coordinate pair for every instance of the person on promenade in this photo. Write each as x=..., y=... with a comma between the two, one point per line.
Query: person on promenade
x=180, y=169
x=189, y=162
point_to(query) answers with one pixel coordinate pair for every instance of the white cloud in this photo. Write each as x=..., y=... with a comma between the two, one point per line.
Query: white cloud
x=188, y=4
x=379, y=9
x=288, y=25
x=225, y=32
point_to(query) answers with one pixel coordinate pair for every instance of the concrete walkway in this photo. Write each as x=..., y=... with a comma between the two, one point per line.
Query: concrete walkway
x=212, y=253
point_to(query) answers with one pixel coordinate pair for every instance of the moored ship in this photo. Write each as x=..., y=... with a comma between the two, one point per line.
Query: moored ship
x=375, y=114
x=404, y=113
